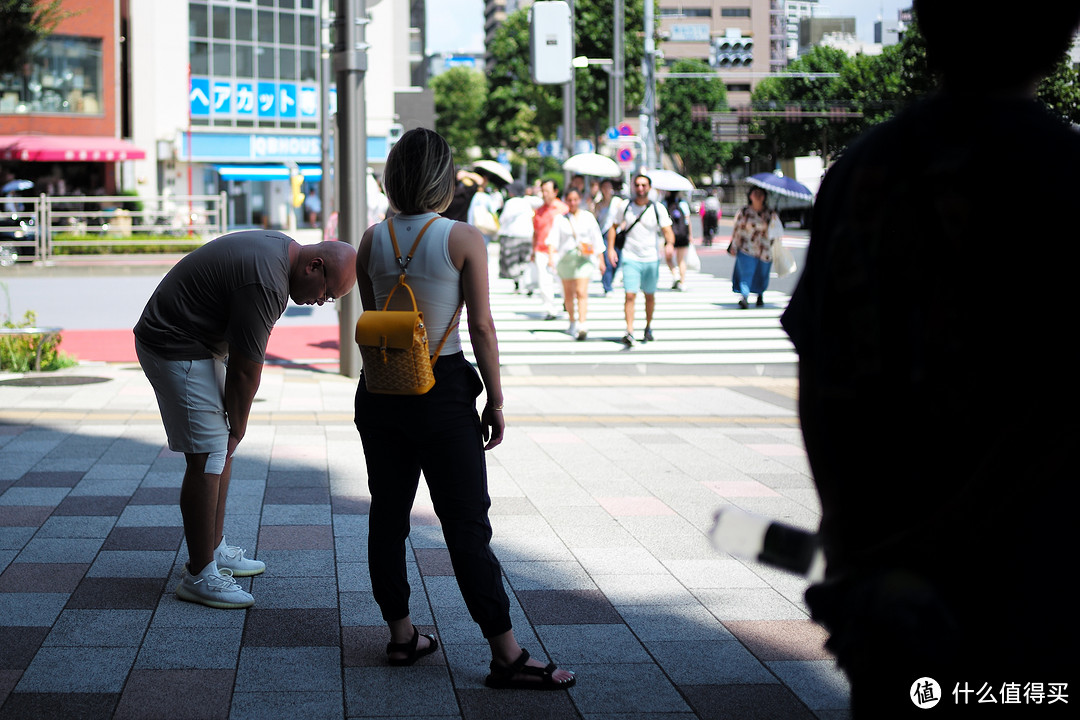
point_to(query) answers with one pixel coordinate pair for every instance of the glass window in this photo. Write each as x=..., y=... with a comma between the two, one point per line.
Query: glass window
x=307, y=38
x=309, y=62
x=222, y=59
x=287, y=64
x=266, y=63
x=307, y=4
x=221, y=22
x=685, y=12
x=200, y=58
x=243, y=24
x=287, y=3
x=735, y=12
x=63, y=75
x=266, y=26
x=286, y=29
x=267, y=3
x=197, y=22
x=245, y=65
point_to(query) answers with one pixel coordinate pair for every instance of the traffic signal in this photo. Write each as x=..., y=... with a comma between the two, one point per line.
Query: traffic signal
x=297, y=182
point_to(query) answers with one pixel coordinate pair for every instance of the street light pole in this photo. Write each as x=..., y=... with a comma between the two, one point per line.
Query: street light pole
x=350, y=65
x=648, y=106
x=606, y=64
x=570, y=101
x=326, y=121
x=618, y=71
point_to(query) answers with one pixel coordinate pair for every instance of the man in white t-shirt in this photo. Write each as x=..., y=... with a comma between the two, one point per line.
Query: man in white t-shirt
x=645, y=222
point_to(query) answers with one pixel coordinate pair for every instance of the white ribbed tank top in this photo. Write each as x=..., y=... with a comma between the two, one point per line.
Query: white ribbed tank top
x=431, y=274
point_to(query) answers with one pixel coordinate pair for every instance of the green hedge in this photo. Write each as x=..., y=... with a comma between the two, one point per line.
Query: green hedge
x=136, y=243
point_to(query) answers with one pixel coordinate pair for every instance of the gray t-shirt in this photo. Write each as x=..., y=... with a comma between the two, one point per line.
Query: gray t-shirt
x=225, y=296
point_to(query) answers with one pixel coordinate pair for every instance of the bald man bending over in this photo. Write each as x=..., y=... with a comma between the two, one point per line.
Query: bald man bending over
x=201, y=341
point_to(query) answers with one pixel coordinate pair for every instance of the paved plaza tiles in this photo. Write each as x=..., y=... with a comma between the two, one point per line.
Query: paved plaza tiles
x=603, y=495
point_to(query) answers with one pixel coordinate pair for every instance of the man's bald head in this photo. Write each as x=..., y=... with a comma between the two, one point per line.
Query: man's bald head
x=322, y=272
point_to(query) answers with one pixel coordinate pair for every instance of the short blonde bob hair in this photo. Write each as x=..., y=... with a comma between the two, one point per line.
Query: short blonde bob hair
x=419, y=175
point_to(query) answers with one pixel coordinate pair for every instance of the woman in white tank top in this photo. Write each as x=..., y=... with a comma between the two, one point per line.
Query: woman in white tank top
x=438, y=433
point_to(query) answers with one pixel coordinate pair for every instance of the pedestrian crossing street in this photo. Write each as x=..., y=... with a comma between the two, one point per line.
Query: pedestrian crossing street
x=701, y=325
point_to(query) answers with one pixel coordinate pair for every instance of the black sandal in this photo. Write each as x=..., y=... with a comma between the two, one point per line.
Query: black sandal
x=410, y=648
x=502, y=677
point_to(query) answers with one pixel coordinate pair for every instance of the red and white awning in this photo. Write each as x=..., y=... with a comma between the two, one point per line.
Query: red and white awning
x=67, y=148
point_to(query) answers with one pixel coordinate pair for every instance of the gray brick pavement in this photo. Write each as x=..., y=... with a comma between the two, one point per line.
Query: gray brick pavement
x=603, y=493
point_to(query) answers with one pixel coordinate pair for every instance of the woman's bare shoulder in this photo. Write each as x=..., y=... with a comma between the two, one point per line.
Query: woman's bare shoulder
x=464, y=242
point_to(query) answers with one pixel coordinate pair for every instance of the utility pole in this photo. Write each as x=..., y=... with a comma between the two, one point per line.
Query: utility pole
x=326, y=121
x=350, y=65
x=570, y=101
x=618, y=70
x=647, y=119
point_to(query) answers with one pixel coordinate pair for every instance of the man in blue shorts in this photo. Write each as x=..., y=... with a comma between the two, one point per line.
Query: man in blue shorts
x=645, y=222
x=201, y=341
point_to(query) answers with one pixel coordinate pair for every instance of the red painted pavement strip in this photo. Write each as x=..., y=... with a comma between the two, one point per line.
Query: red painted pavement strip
x=303, y=342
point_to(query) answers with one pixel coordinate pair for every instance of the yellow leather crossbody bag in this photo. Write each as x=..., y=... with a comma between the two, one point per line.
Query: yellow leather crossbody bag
x=394, y=343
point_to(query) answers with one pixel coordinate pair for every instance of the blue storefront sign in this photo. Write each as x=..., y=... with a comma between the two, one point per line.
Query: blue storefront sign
x=308, y=103
x=267, y=100
x=199, y=97
x=287, y=100
x=222, y=98
x=245, y=99
x=265, y=148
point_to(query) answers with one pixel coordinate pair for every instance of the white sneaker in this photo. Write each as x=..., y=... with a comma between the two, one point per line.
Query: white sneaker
x=231, y=557
x=572, y=332
x=214, y=588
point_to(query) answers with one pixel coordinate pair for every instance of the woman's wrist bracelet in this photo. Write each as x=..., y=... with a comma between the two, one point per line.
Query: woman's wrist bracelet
x=495, y=407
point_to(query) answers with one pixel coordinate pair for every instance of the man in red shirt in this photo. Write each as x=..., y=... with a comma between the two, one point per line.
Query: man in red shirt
x=542, y=258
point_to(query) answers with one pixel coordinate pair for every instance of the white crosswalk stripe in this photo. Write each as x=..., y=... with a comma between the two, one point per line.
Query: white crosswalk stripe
x=702, y=325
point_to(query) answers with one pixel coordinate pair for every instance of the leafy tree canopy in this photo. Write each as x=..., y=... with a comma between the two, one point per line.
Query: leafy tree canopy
x=1060, y=91
x=22, y=24
x=689, y=139
x=460, y=99
x=521, y=113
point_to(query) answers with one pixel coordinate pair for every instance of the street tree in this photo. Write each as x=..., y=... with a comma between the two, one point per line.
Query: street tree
x=878, y=86
x=799, y=136
x=594, y=37
x=1060, y=91
x=22, y=24
x=684, y=136
x=460, y=102
x=521, y=113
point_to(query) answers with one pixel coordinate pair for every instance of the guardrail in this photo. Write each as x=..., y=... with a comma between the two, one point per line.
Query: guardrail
x=39, y=228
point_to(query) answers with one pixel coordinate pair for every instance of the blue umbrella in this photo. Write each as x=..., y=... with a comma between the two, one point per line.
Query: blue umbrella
x=16, y=186
x=781, y=185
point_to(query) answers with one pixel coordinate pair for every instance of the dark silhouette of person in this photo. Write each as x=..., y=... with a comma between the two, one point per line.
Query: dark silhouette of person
x=924, y=321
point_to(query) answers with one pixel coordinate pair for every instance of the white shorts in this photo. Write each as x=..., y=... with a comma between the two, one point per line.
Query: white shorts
x=191, y=398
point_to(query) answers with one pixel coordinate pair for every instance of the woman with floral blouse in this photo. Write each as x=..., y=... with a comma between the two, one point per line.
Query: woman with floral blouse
x=756, y=228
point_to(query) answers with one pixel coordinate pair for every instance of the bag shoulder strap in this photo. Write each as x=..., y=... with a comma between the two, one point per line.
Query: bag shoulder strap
x=570, y=222
x=454, y=322
x=404, y=265
x=638, y=218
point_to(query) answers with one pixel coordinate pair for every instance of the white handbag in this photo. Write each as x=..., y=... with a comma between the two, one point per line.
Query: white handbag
x=783, y=260
x=693, y=262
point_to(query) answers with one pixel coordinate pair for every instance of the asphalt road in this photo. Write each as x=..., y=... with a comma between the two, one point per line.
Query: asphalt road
x=112, y=296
